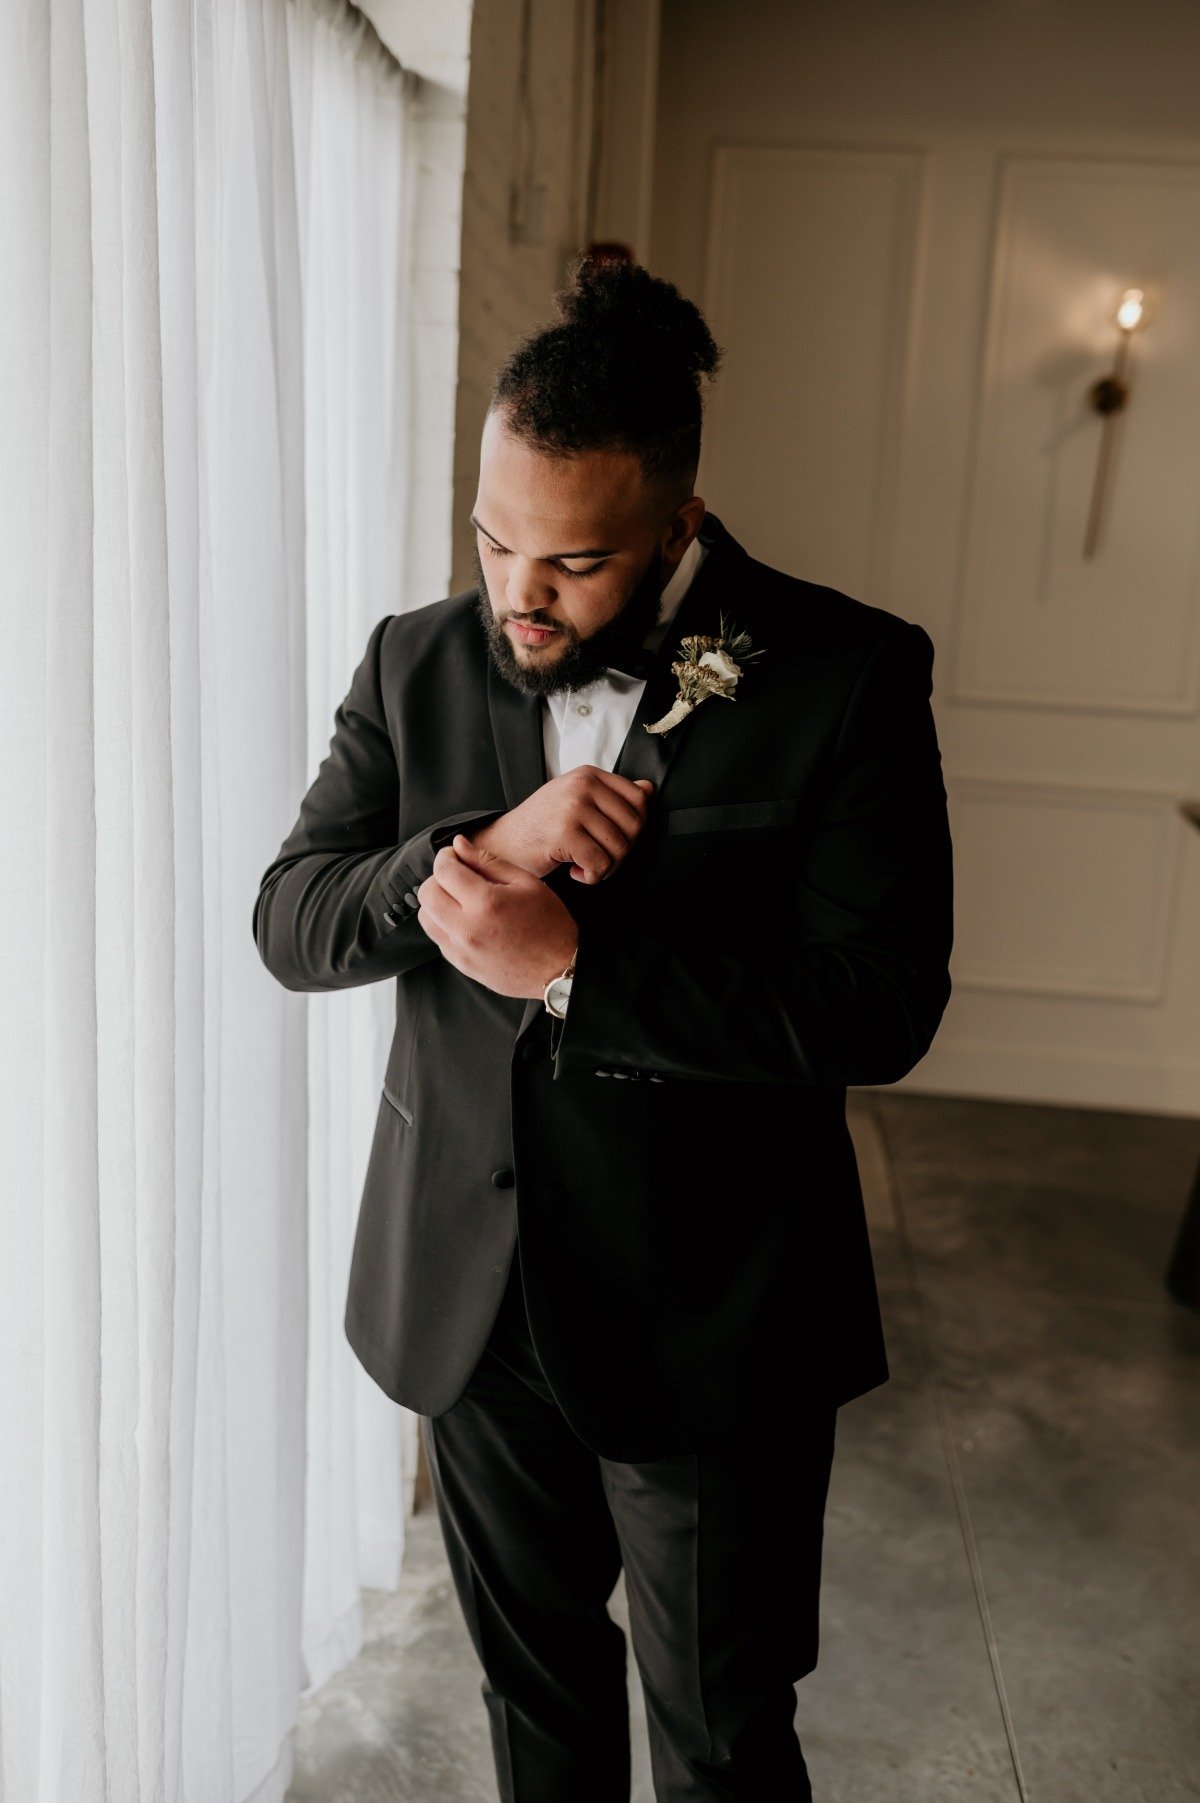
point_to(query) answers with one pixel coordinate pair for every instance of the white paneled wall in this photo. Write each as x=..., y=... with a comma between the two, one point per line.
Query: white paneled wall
x=911, y=226
x=1037, y=623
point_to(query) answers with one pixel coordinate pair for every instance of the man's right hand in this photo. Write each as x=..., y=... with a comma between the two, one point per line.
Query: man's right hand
x=587, y=818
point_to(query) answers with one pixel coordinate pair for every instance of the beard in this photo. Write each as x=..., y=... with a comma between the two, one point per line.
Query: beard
x=585, y=658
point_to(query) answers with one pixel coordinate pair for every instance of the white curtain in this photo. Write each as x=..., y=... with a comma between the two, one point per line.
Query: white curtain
x=355, y=168
x=202, y=470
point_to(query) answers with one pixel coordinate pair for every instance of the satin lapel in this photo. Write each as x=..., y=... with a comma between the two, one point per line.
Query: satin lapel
x=517, y=729
x=712, y=588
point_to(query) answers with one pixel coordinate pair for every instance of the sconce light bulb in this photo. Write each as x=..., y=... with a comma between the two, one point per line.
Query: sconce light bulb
x=1129, y=313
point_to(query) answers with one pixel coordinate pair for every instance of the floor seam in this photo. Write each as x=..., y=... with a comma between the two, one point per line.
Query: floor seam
x=937, y=1392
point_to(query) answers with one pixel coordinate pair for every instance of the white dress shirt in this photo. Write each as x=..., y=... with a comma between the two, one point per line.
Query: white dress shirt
x=589, y=726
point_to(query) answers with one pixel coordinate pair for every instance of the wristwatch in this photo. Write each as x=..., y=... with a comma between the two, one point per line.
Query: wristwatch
x=557, y=992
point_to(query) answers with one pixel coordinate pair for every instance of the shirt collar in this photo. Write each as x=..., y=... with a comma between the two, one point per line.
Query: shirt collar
x=674, y=592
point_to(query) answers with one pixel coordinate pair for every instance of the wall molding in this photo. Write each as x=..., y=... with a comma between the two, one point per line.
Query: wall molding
x=1160, y=804
x=1016, y=173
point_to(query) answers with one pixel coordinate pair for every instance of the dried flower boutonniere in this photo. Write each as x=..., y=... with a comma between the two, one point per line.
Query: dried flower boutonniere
x=711, y=665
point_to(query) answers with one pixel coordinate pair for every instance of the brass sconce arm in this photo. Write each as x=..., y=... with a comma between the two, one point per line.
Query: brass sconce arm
x=1109, y=396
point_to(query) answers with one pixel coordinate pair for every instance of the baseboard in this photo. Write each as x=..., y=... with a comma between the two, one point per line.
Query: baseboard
x=1065, y=1077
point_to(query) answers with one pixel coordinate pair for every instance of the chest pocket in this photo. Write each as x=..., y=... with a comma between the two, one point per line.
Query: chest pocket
x=728, y=860
x=689, y=862
x=732, y=816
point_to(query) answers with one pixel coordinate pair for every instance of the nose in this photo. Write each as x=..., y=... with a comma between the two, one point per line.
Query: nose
x=525, y=591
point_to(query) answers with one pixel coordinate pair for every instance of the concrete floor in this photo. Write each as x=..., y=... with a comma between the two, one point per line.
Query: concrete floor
x=1011, y=1597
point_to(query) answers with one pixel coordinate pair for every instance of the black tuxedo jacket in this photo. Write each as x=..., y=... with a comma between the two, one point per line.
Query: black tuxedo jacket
x=675, y=1153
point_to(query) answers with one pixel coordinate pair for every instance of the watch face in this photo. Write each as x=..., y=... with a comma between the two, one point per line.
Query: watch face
x=558, y=993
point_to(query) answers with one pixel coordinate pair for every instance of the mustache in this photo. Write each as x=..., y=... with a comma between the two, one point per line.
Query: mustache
x=585, y=657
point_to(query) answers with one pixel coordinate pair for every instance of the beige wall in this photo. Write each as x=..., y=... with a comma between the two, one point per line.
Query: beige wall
x=779, y=70
x=507, y=287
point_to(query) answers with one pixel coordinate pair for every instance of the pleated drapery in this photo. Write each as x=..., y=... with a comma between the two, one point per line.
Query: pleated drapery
x=205, y=355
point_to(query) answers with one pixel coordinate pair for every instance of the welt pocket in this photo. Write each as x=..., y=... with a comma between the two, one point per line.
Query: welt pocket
x=397, y=1104
x=729, y=815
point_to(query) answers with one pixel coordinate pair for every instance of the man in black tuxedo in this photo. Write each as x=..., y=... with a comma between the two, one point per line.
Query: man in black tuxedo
x=611, y=1245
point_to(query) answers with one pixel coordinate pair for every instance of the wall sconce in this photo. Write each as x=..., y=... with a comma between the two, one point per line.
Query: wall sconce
x=1108, y=397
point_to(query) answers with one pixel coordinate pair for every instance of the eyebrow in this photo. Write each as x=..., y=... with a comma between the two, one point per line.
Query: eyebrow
x=606, y=552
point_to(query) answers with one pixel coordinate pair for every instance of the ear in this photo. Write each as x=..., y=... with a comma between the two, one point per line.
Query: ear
x=687, y=521
x=689, y=517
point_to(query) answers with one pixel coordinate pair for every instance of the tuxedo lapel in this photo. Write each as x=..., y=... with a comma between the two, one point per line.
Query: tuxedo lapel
x=517, y=729
x=712, y=588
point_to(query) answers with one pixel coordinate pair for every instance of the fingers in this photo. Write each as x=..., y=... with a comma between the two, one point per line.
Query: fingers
x=613, y=815
x=587, y=778
x=464, y=881
x=488, y=864
x=598, y=840
x=608, y=804
x=585, y=817
x=469, y=875
x=456, y=884
x=623, y=801
x=634, y=790
x=433, y=905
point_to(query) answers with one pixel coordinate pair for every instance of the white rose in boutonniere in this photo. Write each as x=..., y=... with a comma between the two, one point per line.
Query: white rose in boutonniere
x=710, y=666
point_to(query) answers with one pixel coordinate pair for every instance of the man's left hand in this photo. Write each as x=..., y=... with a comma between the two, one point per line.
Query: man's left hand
x=494, y=921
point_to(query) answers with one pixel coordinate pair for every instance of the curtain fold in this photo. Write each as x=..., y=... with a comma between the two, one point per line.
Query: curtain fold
x=205, y=359
x=353, y=137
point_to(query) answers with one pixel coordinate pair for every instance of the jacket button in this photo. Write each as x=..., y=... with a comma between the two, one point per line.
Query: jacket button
x=503, y=1179
x=531, y=1051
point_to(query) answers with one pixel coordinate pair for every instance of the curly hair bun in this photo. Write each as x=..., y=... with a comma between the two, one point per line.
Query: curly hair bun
x=620, y=367
x=613, y=299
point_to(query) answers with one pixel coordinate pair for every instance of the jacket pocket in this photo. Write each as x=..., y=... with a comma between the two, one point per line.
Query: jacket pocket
x=729, y=815
x=390, y=1097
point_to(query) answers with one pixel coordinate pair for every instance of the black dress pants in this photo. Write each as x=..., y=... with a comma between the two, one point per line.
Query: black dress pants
x=722, y=1555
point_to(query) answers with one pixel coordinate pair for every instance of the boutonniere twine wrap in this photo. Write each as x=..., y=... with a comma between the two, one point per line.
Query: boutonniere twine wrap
x=711, y=665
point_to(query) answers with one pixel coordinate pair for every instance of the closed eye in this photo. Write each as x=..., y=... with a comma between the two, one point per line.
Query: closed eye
x=495, y=551
x=563, y=568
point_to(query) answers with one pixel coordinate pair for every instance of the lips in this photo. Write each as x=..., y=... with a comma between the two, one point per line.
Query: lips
x=532, y=635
